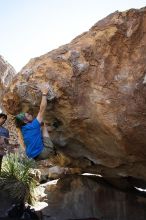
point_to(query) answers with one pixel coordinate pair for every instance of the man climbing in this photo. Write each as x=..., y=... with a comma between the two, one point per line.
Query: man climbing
x=36, y=138
x=4, y=137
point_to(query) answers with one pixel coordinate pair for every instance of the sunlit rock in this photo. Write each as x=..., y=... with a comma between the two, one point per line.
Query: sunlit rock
x=7, y=72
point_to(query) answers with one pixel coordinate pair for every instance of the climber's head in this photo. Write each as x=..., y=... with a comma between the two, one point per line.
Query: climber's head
x=22, y=119
x=28, y=117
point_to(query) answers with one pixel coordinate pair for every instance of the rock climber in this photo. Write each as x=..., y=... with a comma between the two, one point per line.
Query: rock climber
x=38, y=144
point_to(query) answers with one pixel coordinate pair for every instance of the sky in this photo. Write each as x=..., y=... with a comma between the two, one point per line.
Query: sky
x=31, y=28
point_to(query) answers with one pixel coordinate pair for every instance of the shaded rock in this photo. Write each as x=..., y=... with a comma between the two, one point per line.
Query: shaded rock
x=81, y=197
x=5, y=202
x=13, y=209
x=97, y=94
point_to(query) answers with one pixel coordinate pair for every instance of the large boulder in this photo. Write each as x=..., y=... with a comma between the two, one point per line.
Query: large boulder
x=97, y=96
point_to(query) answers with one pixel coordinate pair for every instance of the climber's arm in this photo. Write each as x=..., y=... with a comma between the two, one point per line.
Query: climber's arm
x=43, y=104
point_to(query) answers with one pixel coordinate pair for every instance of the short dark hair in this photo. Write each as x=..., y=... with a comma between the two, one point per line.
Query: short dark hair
x=2, y=115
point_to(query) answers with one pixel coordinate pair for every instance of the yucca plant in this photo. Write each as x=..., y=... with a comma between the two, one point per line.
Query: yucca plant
x=15, y=178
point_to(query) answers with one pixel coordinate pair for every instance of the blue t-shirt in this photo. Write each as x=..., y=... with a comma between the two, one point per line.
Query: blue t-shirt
x=33, y=139
x=4, y=132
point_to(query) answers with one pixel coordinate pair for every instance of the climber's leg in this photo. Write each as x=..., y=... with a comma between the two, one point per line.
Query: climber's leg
x=49, y=149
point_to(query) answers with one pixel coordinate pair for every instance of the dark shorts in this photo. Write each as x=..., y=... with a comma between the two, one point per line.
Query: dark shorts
x=48, y=150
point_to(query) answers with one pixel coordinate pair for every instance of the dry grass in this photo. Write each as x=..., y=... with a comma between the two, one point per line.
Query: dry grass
x=60, y=160
x=63, y=160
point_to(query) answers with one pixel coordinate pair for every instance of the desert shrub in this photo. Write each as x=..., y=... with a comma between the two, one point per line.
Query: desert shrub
x=15, y=178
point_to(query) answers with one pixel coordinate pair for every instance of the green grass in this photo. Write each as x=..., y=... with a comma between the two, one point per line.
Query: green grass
x=15, y=178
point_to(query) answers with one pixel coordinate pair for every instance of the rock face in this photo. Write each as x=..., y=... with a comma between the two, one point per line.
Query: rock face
x=7, y=72
x=82, y=197
x=97, y=96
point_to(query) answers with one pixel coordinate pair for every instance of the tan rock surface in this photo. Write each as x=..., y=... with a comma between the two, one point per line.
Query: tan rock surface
x=97, y=97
